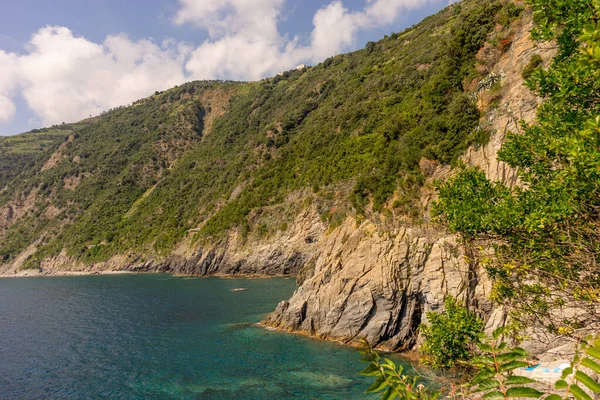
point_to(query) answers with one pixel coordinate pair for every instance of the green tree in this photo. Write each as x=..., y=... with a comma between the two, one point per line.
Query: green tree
x=450, y=336
x=547, y=230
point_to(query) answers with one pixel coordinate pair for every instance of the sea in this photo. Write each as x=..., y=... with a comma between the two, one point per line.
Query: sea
x=156, y=336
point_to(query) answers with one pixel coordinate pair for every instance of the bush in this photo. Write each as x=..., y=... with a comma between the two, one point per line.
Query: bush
x=534, y=63
x=451, y=335
x=495, y=379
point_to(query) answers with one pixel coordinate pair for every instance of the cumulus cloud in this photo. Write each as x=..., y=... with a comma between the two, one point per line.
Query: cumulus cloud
x=66, y=78
x=245, y=43
x=8, y=85
x=249, y=18
x=63, y=77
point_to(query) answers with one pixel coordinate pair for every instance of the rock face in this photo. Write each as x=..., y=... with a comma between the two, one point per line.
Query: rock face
x=368, y=282
x=516, y=102
x=378, y=285
x=283, y=254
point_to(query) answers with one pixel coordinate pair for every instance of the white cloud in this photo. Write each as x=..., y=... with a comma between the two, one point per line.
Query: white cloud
x=249, y=18
x=66, y=78
x=335, y=28
x=245, y=43
x=8, y=85
x=7, y=109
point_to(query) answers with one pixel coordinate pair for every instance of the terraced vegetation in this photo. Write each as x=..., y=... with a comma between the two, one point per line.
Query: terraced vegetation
x=21, y=151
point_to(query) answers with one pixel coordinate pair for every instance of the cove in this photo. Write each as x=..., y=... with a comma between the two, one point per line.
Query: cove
x=161, y=337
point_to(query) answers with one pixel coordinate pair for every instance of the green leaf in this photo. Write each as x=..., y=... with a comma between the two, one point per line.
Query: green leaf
x=579, y=393
x=390, y=363
x=509, y=366
x=520, y=351
x=594, y=352
x=487, y=385
x=566, y=372
x=389, y=394
x=561, y=384
x=370, y=370
x=485, y=347
x=518, y=380
x=587, y=381
x=484, y=360
x=498, y=332
x=378, y=386
x=591, y=364
x=522, y=391
x=494, y=395
x=481, y=376
x=553, y=397
x=507, y=357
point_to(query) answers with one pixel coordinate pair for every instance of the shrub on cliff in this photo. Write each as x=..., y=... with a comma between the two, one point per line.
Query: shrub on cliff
x=450, y=336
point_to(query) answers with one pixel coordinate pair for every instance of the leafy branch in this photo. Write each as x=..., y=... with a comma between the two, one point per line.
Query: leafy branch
x=496, y=378
x=497, y=364
x=391, y=380
x=587, y=358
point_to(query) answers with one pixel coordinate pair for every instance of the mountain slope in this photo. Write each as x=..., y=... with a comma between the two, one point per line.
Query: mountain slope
x=326, y=173
x=190, y=166
x=23, y=151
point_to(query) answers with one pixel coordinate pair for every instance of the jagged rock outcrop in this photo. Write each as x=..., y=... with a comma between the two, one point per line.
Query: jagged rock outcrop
x=375, y=284
x=516, y=102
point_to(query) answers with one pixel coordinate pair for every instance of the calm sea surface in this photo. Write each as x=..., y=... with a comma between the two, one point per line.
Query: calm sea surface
x=161, y=337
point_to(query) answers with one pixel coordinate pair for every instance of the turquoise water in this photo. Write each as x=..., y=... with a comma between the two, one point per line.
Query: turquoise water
x=161, y=337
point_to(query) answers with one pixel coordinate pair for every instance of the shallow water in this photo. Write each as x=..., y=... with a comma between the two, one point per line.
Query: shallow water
x=161, y=337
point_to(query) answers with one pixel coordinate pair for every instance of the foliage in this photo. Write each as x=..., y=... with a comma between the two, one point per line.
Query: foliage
x=547, y=229
x=496, y=364
x=391, y=380
x=468, y=203
x=99, y=173
x=450, y=336
x=28, y=149
x=495, y=377
x=534, y=63
x=586, y=361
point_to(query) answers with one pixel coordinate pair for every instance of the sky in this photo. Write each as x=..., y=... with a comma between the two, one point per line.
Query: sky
x=64, y=60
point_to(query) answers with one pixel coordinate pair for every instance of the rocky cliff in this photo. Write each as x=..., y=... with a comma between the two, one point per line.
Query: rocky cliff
x=366, y=281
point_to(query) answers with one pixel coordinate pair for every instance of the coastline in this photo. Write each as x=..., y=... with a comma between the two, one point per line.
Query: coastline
x=37, y=274
x=411, y=355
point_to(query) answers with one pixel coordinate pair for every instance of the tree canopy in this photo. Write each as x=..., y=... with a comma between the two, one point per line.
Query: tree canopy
x=546, y=230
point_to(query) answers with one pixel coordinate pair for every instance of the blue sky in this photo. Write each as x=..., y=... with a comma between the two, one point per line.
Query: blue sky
x=62, y=60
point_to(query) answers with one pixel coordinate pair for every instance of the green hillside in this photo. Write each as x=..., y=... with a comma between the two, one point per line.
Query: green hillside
x=213, y=156
x=21, y=152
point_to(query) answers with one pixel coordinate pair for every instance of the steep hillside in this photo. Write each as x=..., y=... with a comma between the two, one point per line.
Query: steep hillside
x=23, y=151
x=379, y=281
x=188, y=179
